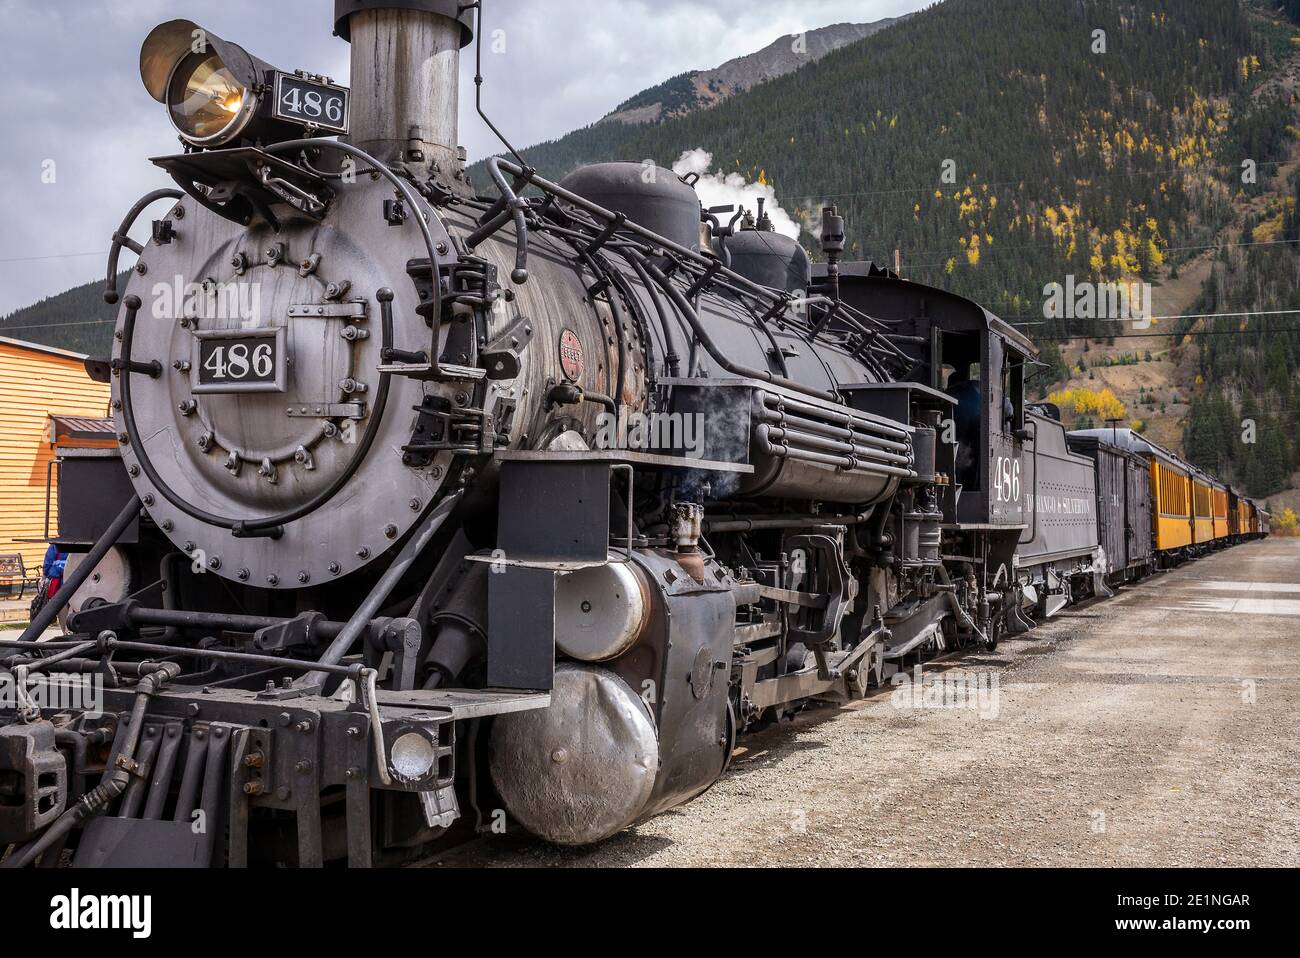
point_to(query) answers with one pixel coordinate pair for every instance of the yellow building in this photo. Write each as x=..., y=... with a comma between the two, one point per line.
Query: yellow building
x=41, y=386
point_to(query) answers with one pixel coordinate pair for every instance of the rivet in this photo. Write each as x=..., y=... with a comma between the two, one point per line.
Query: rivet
x=334, y=568
x=304, y=577
x=214, y=563
x=390, y=531
x=188, y=547
x=167, y=525
x=272, y=579
x=415, y=505
x=242, y=575
x=148, y=499
x=363, y=553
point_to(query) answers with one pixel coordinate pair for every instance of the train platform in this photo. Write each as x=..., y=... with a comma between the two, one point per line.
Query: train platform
x=1157, y=728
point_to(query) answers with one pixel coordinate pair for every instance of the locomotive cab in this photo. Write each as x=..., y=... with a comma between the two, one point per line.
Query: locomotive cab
x=963, y=350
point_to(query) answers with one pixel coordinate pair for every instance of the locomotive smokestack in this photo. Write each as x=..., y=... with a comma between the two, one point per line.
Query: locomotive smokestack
x=405, y=77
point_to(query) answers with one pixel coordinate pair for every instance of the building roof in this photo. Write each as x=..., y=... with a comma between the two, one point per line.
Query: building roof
x=82, y=427
x=41, y=348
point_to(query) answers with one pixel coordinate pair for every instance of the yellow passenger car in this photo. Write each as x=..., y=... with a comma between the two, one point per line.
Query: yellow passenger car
x=1219, y=506
x=1172, y=515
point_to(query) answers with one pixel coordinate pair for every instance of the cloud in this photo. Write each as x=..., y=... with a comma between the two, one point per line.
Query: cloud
x=73, y=94
x=732, y=189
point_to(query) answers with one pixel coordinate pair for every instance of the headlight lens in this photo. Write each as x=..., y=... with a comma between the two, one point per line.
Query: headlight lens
x=204, y=98
x=412, y=755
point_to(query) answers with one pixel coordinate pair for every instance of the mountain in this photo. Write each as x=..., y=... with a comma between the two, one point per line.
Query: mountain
x=688, y=93
x=701, y=89
x=1001, y=147
x=77, y=319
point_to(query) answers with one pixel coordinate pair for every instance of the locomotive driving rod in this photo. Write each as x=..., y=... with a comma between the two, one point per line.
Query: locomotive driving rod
x=415, y=545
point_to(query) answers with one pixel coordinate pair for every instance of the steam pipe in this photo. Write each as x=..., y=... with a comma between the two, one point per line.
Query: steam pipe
x=747, y=372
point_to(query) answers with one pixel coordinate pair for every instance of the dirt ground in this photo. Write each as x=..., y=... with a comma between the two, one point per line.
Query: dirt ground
x=1158, y=728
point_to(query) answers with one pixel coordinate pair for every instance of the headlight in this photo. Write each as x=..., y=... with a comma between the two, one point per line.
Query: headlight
x=412, y=756
x=212, y=88
x=206, y=102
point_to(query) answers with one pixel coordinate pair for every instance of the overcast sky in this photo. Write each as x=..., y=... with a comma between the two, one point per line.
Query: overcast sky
x=74, y=110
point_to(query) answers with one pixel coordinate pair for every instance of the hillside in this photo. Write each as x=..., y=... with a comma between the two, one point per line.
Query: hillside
x=688, y=93
x=77, y=319
x=1001, y=146
x=1025, y=152
x=701, y=89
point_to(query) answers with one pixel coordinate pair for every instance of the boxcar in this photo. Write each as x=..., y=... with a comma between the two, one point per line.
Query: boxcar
x=1123, y=506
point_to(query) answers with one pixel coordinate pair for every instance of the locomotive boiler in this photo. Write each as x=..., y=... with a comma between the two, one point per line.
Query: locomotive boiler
x=437, y=511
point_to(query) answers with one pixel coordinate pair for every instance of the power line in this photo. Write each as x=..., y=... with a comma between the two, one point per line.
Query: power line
x=996, y=250
x=1255, y=312
x=32, y=259
x=4, y=327
x=1130, y=174
x=1208, y=332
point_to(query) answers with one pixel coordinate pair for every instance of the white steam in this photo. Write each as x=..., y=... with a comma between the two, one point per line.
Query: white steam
x=731, y=189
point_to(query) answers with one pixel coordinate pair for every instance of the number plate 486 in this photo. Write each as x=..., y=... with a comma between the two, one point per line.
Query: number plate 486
x=241, y=360
x=311, y=103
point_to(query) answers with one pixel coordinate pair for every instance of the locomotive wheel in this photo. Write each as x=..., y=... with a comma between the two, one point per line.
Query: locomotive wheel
x=994, y=634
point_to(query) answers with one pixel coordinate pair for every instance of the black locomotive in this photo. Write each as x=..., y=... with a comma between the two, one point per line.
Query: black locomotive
x=434, y=509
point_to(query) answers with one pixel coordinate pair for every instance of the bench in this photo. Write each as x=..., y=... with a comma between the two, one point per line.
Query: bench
x=13, y=571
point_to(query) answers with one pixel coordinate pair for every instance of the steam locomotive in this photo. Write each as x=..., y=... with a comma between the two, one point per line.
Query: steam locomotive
x=432, y=509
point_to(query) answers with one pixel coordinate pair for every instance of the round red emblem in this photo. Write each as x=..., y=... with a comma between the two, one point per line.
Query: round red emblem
x=571, y=355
